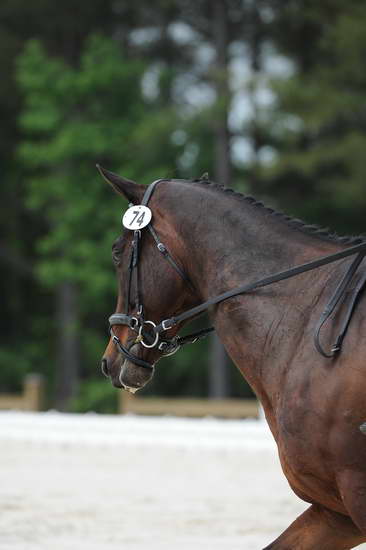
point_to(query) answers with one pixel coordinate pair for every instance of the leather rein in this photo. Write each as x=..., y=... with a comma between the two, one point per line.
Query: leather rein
x=149, y=333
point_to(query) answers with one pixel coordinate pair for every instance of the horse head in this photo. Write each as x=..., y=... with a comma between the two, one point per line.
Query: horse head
x=150, y=289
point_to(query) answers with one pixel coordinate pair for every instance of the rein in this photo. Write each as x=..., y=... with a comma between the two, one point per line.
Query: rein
x=359, y=249
x=168, y=347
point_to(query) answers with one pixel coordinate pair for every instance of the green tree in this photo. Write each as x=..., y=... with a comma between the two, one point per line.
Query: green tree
x=317, y=124
x=62, y=28
x=73, y=117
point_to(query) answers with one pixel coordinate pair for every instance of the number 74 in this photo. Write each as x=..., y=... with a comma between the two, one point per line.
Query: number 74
x=139, y=219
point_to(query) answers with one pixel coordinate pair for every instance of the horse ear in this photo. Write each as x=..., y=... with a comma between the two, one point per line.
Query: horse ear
x=132, y=191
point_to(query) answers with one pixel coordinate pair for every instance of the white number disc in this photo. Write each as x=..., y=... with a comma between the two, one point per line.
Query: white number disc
x=137, y=217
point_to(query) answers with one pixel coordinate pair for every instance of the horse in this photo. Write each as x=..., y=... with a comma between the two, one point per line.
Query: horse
x=215, y=240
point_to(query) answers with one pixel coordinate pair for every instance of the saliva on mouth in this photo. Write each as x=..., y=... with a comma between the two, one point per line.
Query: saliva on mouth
x=133, y=377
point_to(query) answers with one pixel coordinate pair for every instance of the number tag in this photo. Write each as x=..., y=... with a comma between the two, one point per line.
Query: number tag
x=137, y=217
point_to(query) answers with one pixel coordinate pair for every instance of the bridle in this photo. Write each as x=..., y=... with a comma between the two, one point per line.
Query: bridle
x=152, y=338
x=136, y=322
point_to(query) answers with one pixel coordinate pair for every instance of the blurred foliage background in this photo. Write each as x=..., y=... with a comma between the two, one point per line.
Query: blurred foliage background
x=267, y=96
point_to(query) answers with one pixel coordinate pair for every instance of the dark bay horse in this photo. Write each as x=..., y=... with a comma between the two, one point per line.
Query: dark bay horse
x=314, y=405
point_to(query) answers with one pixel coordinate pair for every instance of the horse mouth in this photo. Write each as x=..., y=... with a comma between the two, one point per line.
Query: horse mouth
x=121, y=383
x=130, y=389
x=130, y=376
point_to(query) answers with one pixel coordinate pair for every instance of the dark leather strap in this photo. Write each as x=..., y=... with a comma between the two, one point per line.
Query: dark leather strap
x=193, y=337
x=149, y=191
x=338, y=294
x=167, y=255
x=280, y=276
x=133, y=358
x=168, y=347
x=355, y=295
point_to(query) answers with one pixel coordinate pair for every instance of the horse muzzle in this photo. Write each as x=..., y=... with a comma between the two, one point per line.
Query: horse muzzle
x=126, y=374
x=133, y=377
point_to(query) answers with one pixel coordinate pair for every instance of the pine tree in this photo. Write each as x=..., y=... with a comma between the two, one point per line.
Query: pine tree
x=317, y=124
x=73, y=118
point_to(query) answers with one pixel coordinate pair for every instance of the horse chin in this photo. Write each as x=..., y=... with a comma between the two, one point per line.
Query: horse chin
x=132, y=377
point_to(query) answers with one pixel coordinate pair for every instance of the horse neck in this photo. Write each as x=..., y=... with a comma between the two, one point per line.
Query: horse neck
x=229, y=242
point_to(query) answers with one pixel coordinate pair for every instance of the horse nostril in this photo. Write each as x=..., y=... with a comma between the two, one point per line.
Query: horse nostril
x=104, y=367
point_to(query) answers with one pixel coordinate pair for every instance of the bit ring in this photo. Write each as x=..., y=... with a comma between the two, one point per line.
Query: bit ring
x=142, y=336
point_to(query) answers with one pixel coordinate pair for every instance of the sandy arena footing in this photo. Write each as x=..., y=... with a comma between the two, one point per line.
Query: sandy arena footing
x=92, y=482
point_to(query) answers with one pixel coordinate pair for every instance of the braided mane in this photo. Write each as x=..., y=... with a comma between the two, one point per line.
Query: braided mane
x=295, y=223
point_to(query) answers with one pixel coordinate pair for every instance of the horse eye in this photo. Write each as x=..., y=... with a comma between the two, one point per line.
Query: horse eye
x=116, y=258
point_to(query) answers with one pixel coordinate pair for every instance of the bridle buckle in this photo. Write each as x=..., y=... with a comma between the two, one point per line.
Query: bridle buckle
x=167, y=324
x=134, y=323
